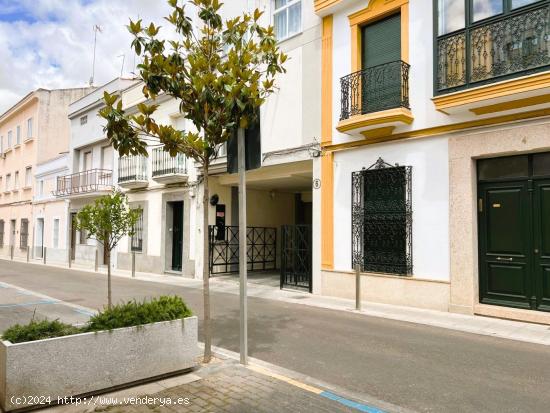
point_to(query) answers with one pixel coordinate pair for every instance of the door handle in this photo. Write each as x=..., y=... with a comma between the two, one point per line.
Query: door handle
x=536, y=251
x=504, y=259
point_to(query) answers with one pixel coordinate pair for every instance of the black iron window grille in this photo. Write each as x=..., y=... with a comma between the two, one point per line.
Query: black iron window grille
x=1, y=233
x=374, y=89
x=510, y=44
x=132, y=168
x=382, y=219
x=164, y=164
x=24, y=234
x=296, y=256
x=224, y=250
x=137, y=237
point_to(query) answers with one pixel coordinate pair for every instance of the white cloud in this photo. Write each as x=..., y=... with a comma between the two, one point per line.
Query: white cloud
x=49, y=43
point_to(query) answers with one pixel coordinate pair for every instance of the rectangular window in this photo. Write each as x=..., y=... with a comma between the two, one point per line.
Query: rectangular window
x=483, y=9
x=452, y=15
x=1, y=144
x=137, y=238
x=28, y=176
x=382, y=219
x=29, y=128
x=8, y=182
x=1, y=232
x=521, y=3
x=84, y=120
x=287, y=18
x=10, y=139
x=16, y=181
x=24, y=233
x=18, y=135
x=56, y=233
x=41, y=188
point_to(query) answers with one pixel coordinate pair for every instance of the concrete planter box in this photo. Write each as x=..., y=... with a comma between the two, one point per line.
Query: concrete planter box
x=88, y=363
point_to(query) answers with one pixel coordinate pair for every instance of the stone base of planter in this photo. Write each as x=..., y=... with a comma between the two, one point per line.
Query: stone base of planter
x=89, y=363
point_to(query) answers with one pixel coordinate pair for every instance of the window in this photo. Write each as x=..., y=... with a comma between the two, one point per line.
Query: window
x=484, y=41
x=16, y=181
x=1, y=232
x=84, y=120
x=18, y=135
x=83, y=237
x=287, y=17
x=1, y=144
x=8, y=182
x=28, y=176
x=29, y=128
x=451, y=15
x=382, y=219
x=41, y=188
x=137, y=238
x=10, y=138
x=56, y=233
x=24, y=234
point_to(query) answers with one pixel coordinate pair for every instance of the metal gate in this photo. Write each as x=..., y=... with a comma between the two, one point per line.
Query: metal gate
x=224, y=249
x=296, y=256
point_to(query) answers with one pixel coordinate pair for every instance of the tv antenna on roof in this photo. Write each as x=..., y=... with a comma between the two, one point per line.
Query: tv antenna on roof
x=97, y=28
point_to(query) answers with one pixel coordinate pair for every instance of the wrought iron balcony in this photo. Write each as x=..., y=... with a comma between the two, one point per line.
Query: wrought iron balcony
x=85, y=182
x=132, y=172
x=511, y=45
x=375, y=89
x=168, y=169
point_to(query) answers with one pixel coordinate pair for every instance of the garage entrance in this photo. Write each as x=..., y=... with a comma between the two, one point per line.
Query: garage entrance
x=514, y=231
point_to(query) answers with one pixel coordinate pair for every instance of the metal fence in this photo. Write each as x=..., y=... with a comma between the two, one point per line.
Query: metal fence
x=164, y=164
x=296, y=256
x=132, y=168
x=91, y=180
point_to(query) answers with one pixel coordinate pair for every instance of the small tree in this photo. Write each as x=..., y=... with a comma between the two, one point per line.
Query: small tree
x=108, y=220
x=220, y=73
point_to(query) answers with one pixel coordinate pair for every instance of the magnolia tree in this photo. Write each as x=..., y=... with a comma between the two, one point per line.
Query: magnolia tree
x=108, y=220
x=219, y=72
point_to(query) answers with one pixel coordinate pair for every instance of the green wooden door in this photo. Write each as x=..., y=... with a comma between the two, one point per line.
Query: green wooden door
x=541, y=250
x=505, y=231
x=514, y=231
x=381, y=64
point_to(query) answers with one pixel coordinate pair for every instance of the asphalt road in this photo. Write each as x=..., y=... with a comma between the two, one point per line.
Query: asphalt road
x=419, y=367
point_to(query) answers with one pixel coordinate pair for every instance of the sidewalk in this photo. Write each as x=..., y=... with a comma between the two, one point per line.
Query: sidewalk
x=224, y=386
x=508, y=329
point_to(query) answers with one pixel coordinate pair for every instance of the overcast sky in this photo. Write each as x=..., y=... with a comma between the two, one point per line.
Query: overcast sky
x=49, y=43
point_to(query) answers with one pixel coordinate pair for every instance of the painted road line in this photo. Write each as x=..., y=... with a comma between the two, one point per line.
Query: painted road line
x=40, y=302
x=323, y=393
x=350, y=403
x=83, y=311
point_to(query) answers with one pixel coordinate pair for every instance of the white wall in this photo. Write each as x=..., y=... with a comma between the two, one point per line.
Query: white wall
x=430, y=201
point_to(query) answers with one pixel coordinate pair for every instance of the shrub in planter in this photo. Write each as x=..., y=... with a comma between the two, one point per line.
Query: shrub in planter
x=129, y=314
x=38, y=330
x=133, y=313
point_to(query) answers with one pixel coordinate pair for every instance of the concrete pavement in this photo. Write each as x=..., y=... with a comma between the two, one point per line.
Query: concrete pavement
x=419, y=367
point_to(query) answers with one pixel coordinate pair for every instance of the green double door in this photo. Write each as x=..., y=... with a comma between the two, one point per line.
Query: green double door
x=514, y=231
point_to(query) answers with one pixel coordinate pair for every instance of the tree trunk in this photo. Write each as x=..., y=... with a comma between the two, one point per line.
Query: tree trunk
x=109, y=296
x=206, y=270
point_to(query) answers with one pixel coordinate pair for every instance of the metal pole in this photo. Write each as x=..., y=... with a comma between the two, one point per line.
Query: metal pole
x=70, y=256
x=358, y=288
x=242, y=246
x=96, y=261
x=28, y=252
x=44, y=254
x=133, y=264
x=11, y=252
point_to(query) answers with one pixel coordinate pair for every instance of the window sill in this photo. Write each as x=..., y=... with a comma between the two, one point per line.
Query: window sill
x=7, y=192
x=16, y=146
x=8, y=150
x=15, y=191
x=292, y=36
x=26, y=188
x=27, y=140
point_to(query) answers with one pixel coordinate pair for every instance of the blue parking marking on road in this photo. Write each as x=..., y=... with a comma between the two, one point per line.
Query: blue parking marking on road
x=350, y=403
x=40, y=302
x=85, y=312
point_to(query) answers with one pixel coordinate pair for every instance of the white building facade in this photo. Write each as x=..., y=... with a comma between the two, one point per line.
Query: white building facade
x=424, y=103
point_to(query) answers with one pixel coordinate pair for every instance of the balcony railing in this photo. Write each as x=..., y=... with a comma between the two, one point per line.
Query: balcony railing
x=515, y=44
x=132, y=168
x=375, y=89
x=92, y=180
x=164, y=164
